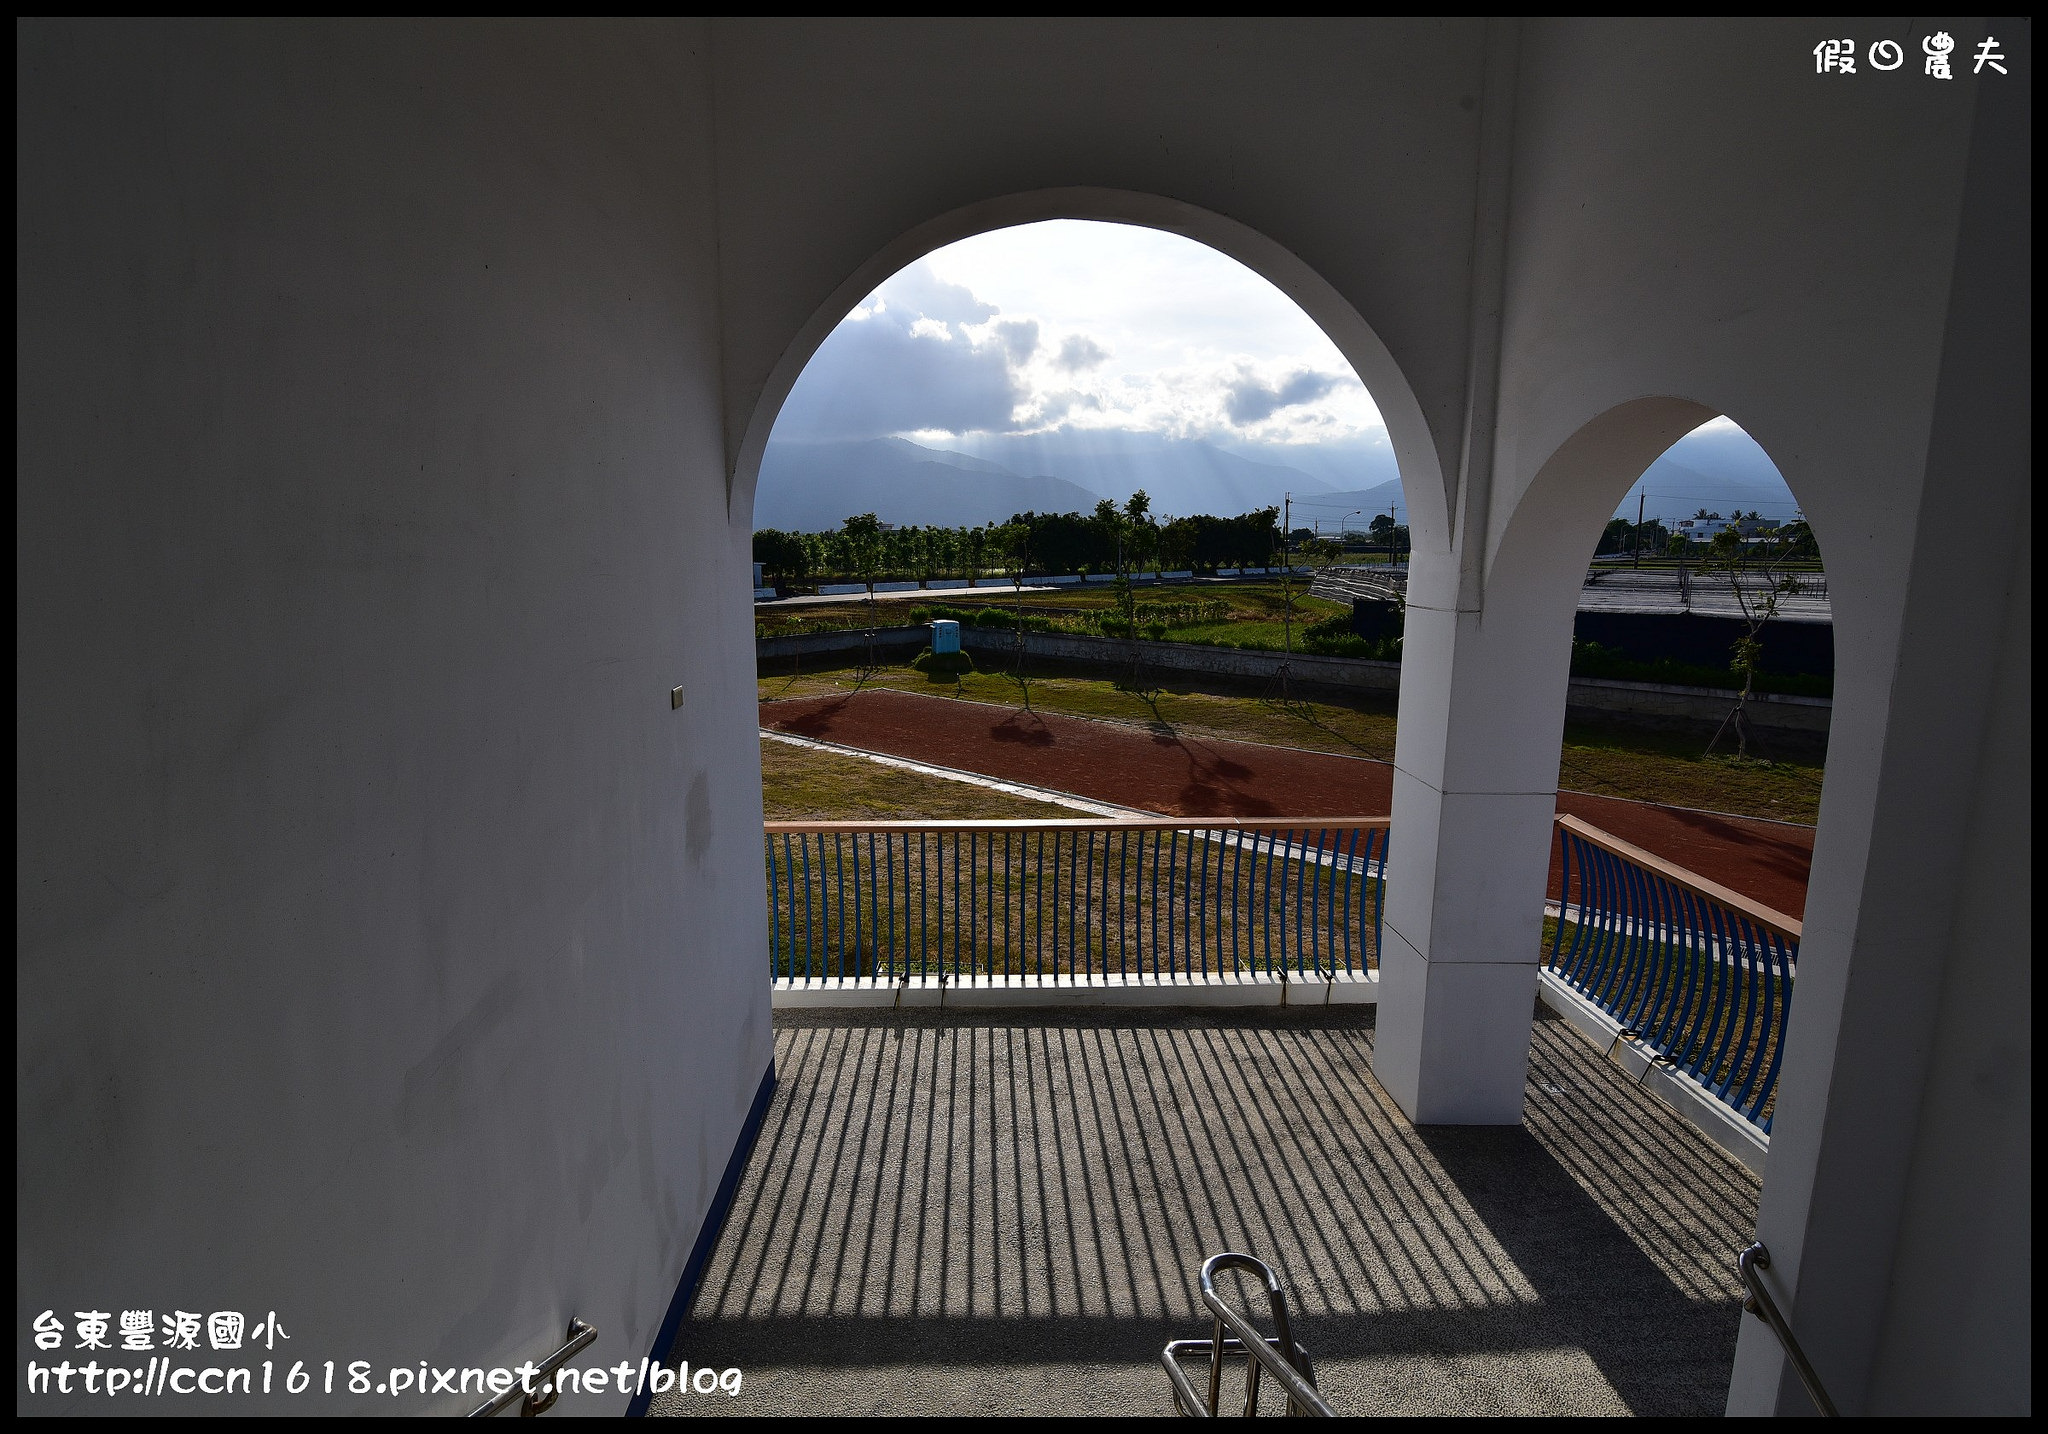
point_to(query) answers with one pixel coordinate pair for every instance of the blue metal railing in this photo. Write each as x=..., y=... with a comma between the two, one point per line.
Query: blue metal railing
x=1074, y=901
x=1699, y=973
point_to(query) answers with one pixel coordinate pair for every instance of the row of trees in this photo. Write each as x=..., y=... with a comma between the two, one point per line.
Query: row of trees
x=1792, y=540
x=1114, y=538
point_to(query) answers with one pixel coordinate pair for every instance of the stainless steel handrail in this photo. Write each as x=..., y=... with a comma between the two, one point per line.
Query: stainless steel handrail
x=1749, y=1265
x=1287, y=1360
x=580, y=1337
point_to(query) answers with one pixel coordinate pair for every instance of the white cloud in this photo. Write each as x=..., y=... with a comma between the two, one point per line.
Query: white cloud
x=1157, y=334
x=1251, y=400
x=1079, y=352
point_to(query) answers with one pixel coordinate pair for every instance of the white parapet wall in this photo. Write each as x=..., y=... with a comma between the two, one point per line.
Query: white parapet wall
x=985, y=992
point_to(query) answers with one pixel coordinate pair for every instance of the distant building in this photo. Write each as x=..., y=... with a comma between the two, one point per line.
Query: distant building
x=1703, y=530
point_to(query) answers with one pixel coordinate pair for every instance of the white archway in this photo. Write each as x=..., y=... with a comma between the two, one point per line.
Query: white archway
x=1408, y=433
x=1483, y=691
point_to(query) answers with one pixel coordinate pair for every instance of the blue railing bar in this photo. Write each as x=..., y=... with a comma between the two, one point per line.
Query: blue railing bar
x=1350, y=955
x=1746, y=1063
x=1161, y=926
x=1237, y=931
x=1700, y=974
x=1088, y=908
x=1675, y=963
x=1123, y=902
x=1038, y=897
x=804, y=846
x=775, y=886
x=1763, y=953
x=1770, y=1083
x=1182, y=893
x=1172, y=852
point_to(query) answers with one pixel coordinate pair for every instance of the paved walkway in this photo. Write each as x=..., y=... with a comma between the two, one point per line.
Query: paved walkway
x=951, y=1214
x=984, y=594
x=1182, y=775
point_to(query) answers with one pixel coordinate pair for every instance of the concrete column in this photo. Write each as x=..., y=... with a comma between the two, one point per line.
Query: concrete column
x=1898, y=1206
x=1486, y=661
x=1475, y=784
x=1470, y=812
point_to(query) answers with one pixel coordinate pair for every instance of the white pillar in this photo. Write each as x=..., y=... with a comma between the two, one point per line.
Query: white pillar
x=1898, y=1204
x=1485, y=665
x=1475, y=785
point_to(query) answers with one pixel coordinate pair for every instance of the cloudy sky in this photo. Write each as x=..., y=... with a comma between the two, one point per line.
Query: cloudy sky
x=1082, y=326
x=1068, y=328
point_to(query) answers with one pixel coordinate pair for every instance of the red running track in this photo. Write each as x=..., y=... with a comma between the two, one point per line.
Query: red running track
x=1179, y=775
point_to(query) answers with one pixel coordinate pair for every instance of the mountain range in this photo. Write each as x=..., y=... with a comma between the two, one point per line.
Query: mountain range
x=815, y=486
x=1720, y=469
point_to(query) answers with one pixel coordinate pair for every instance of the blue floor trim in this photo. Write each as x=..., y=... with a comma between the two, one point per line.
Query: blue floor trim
x=707, y=1236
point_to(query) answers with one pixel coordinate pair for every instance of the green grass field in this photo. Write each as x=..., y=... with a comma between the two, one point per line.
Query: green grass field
x=804, y=784
x=1252, y=604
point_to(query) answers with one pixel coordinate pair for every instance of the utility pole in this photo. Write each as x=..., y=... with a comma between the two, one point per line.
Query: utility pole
x=1287, y=596
x=1639, y=526
x=1287, y=572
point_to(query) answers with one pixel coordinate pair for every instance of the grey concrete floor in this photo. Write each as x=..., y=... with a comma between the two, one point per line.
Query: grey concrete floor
x=1004, y=1212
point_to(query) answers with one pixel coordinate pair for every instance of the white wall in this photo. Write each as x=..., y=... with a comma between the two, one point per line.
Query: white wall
x=388, y=949
x=1801, y=257
x=1957, y=1317
x=1710, y=222
x=1334, y=157
x=388, y=945
x=1559, y=245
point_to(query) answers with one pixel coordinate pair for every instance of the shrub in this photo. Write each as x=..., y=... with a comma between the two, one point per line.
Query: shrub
x=1343, y=644
x=1591, y=659
x=940, y=666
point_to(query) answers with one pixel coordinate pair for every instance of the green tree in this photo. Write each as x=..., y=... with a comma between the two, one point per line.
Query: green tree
x=1757, y=577
x=1618, y=537
x=975, y=552
x=1177, y=543
x=861, y=548
x=1013, y=540
x=1140, y=534
x=860, y=539
x=1321, y=551
x=784, y=556
x=1797, y=540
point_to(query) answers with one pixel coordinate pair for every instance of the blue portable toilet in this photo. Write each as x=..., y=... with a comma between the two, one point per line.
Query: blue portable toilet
x=945, y=636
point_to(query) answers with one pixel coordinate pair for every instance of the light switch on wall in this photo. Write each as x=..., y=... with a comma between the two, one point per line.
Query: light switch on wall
x=675, y=698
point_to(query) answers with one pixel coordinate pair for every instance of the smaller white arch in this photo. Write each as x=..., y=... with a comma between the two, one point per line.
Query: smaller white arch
x=1540, y=553
x=1408, y=433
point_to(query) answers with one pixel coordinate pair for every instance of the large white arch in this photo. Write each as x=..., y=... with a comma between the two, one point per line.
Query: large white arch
x=1415, y=451
x=1483, y=695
